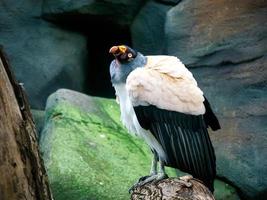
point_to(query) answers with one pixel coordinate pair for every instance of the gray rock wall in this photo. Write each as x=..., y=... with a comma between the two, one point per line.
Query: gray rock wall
x=147, y=29
x=238, y=94
x=44, y=57
x=119, y=11
x=213, y=33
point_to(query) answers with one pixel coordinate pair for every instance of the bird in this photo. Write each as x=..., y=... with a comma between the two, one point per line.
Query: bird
x=160, y=101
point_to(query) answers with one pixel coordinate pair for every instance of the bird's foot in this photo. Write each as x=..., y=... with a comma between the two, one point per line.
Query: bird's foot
x=146, y=179
x=160, y=176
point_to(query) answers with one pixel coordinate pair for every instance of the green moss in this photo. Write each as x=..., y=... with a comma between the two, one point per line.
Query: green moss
x=90, y=155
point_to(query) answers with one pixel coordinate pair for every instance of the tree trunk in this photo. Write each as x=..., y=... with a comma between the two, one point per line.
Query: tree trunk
x=22, y=173
x=183, y=188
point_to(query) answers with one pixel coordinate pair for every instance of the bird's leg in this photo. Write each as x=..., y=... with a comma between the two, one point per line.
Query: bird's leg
x=153, y=172
x=154, y=176
x=161, y=174
x=153, y=169
x=157, y=176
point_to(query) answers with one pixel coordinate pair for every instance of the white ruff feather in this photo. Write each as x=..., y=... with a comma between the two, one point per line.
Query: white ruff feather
x=130, y=121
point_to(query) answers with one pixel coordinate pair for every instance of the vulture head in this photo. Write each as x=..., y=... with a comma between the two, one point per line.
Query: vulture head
x=126, y=60
x=123, y=53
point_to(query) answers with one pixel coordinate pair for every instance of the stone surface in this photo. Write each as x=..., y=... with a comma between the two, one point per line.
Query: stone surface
x=183, y=188
x=147, y=29
x=205, y=33
x=120, y=11
x=223, y=191
x=89, y=155
x=44, y=57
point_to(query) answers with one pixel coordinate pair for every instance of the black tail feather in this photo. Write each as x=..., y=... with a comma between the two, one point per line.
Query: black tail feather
x=210, y=118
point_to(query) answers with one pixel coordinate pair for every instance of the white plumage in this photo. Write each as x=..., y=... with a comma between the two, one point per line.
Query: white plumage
x=166, y=83
x=129, y=120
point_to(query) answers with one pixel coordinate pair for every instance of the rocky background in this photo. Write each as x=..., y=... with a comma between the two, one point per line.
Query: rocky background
x=56, y=44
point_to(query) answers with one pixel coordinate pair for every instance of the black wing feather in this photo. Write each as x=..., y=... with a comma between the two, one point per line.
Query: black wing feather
x=184, y=138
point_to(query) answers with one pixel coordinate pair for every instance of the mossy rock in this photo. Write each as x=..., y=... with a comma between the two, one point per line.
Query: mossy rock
x=88, y=154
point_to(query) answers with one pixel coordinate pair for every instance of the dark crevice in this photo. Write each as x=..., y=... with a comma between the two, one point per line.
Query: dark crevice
x=100, y=39
x=102, y=33
x=170, y=2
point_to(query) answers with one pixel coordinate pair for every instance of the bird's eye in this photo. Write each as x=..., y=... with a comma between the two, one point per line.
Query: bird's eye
x=130, y=55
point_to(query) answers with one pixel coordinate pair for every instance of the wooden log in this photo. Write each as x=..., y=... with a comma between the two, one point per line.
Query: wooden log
x=183, y=188
x=22, y=173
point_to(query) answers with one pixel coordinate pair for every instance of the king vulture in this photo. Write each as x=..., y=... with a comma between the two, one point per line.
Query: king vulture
x=161, y=102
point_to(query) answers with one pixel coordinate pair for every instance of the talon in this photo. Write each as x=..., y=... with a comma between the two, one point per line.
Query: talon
x=146, y=179
x=160, y=177
x=131, y=189
x=141, y=181
x=142, y=178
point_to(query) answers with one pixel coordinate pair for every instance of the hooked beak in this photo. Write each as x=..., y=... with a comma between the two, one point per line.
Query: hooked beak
x=117, y=50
